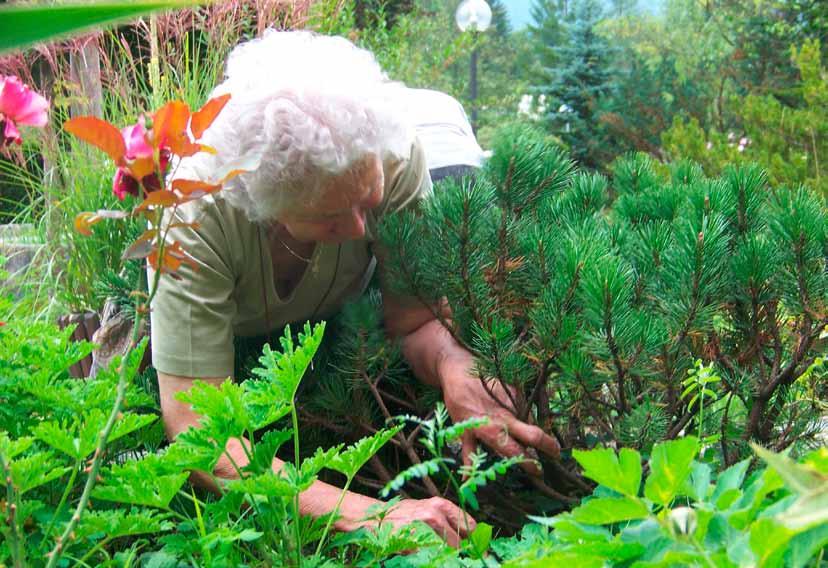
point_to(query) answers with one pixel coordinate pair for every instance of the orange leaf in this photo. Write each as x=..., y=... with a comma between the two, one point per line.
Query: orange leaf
x=160, y=198
x=99, y=133
x=176, y=251
x=174, y=257
x=184, y=147
x=84, y=222
x=169, y=127
x=205, y=116
x=188, y=187
x=141, y=167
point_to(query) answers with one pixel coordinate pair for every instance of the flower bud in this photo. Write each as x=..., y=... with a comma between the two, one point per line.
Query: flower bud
x=683, y=521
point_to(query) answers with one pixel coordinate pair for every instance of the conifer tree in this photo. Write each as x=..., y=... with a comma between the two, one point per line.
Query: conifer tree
x=577, y=82
x=596, y=298
x=546, y=30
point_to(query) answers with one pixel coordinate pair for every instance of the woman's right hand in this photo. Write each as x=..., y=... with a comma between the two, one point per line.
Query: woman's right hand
x=446, y=518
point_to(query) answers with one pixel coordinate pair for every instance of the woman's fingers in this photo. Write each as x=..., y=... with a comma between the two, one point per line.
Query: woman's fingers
x=469, y=446
x=459, y=521
x=533, y=437
x=498, y=438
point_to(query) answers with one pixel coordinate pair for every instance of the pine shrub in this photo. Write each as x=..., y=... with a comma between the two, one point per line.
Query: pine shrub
x=597, y=296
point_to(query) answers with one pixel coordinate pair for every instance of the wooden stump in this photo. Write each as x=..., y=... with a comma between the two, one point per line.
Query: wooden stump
x=86, y=324
x=113, y=338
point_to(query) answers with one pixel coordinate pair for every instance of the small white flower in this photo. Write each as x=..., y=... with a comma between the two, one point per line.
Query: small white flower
x=731, y=136
x=709, y=145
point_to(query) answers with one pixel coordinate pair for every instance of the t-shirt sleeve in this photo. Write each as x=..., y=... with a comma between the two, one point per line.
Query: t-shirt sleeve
x=192, y=317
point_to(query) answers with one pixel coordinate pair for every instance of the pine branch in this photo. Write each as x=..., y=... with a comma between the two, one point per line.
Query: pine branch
x=616, y=356
x=404, y=442
x=694, y=294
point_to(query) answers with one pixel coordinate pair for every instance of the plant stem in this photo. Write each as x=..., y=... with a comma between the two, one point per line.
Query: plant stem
x=97, y=460
x=333, y=515
x=69, y=486
x=296, y=519
x=15, y=542
x=120, y=392
x=93, y=550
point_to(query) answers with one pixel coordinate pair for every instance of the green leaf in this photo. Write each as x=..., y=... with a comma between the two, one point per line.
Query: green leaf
x=609, y=510
x=416, y=471
x=223, y=412
x=33, y=471
x=480, y=538
x=319, y=460
x=147, y=482
x=25, y=25
x=350, y=460
x=620, y=472
x=265, y=450
x=769, y=541
x=10, y=448
x=287, y=368
x=731, y=478
x=805, y=546
x=809, y=510
x=79, y=440
x=670, y=465
x=699, y=483
x=115, y=523
x=268, y=484
x=801, y=479
x=557, y=558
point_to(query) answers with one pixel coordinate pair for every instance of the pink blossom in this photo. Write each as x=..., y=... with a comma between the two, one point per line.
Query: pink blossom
x=124, y=183
x=137, y=147
x=135, y=138
x=19, y=105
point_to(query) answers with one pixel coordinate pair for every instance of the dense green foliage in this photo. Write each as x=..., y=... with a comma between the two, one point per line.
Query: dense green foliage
x=143, y=512
x=596, y=297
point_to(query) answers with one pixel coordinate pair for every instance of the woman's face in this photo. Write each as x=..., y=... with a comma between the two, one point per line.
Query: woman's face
x=339, y=214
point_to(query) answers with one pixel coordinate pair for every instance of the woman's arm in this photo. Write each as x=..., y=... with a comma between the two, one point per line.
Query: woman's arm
x=438, y=360
x=321, y=497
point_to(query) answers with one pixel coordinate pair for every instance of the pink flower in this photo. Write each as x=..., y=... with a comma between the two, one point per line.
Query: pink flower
x=137, y=148
x=124, y=183
x=19, y=105
x=135, y=138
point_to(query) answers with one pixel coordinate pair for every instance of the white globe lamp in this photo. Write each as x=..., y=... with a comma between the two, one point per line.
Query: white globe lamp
x=475, y=15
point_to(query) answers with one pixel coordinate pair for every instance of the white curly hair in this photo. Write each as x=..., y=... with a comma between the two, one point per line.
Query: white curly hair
x=303, y=107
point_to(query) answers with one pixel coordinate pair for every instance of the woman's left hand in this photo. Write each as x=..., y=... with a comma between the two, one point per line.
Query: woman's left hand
x=466, y=397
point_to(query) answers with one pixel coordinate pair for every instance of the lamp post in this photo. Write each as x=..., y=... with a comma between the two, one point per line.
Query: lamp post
x=474, y=15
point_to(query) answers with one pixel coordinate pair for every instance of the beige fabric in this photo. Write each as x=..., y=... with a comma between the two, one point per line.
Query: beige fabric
x=194, y=319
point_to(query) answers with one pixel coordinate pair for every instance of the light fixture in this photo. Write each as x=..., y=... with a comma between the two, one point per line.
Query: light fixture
x=475, y=15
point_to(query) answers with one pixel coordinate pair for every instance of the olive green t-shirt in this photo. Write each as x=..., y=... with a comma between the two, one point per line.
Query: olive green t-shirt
x=231, y=292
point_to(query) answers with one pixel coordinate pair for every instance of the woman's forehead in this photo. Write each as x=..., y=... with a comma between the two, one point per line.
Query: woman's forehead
x=341, y=192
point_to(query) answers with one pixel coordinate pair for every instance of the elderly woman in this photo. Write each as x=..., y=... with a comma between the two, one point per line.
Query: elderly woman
x=292, y=241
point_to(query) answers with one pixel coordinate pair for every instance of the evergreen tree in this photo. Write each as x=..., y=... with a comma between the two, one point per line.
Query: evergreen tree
x=546, y=30
x=596, y=299
x=500, y=19
x=578, y=82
